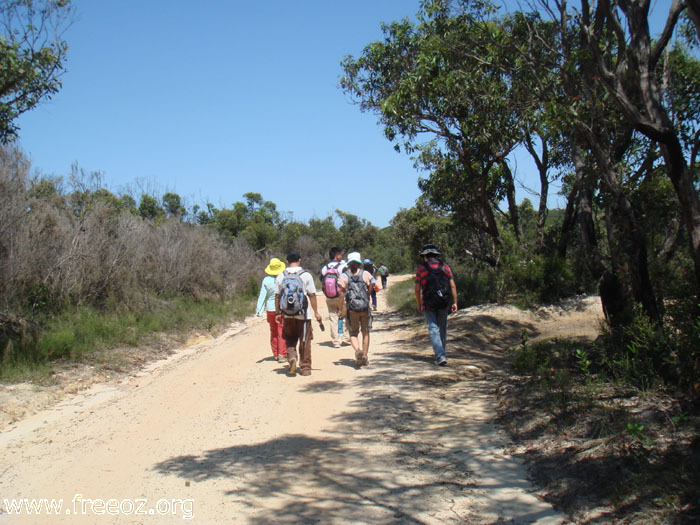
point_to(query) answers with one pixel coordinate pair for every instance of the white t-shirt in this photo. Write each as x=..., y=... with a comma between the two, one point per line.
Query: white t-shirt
x=341, y=265
x=309, y=287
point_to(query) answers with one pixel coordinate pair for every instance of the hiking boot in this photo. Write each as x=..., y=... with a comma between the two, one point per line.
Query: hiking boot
x=304, y=372
x=441, y=361
x=358, y=358
x=365, y=360
x=292, y=366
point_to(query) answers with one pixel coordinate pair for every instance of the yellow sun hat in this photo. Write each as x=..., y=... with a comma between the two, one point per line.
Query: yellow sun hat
x=275, y=267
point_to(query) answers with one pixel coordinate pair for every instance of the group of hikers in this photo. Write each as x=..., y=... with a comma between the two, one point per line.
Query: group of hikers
x=288, y=295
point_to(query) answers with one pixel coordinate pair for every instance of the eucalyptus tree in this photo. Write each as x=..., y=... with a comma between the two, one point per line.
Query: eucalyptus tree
x=414, y=226
x=32, y=56
x=450, y=110
x=628, y=63
x=554, y=82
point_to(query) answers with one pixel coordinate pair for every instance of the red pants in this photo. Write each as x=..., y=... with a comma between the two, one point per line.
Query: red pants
x=276, y=340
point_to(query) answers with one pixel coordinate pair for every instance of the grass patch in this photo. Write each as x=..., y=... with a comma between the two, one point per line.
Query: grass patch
x=401, y=296
x=76, y=333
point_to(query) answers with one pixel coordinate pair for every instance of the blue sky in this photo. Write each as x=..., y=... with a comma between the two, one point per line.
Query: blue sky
x=215, y=98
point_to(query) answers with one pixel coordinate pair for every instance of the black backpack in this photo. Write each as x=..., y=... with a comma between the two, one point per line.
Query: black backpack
x=437, y=292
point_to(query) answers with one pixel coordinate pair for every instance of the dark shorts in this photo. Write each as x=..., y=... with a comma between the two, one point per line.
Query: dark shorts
x=358, y=321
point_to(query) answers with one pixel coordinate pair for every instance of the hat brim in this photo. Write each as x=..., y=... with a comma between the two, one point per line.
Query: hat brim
x=430, y=252
x=270, y=271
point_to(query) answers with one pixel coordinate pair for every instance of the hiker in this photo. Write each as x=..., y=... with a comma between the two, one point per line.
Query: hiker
x=266, y=302
x=355, y=289
x=330, y=273
x=384, y=274
x=436, y=296
x=295, y=291
x=372, y=270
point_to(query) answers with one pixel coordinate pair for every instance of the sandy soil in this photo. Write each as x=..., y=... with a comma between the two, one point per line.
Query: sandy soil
x=219, y=433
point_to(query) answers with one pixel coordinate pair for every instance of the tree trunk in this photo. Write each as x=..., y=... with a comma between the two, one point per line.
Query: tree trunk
x=570, y=213
x=542, y=163
x=613, y=294
x=682, y=181
x=627, y=241
x=512, y=205
x=633, y=85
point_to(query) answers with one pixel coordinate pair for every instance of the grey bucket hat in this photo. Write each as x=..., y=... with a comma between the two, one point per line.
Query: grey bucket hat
x=429, y=249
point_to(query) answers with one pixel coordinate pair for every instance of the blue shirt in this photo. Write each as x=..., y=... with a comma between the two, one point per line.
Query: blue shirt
x=266, y=299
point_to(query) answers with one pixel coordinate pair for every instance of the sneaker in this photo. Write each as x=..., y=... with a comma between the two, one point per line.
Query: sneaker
x=358, y=358
x=281, y=358
x=336, y=345
x=293, y=366
x=441, y=361
x=304, y=372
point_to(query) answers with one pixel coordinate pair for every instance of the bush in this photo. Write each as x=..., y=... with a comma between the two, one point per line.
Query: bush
x=475, y=286
x=402, y=297
x=84, y=266
x=644, y=354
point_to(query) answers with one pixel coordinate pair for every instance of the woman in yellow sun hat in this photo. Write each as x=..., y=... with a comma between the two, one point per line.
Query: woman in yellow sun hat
x=266, y=302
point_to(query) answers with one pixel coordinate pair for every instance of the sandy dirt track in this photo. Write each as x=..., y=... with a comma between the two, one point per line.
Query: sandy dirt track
x=222, y=428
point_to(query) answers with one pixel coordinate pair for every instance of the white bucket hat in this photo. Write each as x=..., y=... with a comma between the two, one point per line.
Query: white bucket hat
x=355, y=256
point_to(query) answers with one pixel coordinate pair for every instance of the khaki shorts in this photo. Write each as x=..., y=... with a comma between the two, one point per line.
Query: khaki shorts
x=358, y=321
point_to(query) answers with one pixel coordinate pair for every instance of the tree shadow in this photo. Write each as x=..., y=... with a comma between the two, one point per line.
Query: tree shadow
x=276, y=467
x=424, y=460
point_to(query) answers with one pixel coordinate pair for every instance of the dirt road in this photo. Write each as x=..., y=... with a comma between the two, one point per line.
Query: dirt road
x=219, y=433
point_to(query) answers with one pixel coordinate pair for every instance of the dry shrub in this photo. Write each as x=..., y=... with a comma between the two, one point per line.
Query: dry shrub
x=54, y=254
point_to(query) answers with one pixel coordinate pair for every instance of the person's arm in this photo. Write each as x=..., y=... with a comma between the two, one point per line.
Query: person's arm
x=314, y=305
x=453, y=286
x=262, y=297
x=342, y=284
x=310, y=291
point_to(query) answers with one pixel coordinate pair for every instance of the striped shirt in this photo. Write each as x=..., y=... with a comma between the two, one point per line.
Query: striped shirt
x=422, y=274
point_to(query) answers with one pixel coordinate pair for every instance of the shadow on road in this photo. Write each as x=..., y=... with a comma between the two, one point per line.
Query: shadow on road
x=412, y=412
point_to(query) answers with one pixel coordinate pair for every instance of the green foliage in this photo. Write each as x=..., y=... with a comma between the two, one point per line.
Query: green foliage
x=475, y=285
x=636, y=432
x=173, y=205
x=542, y=279
x=584, y=362
x=32, y=56
x=402, y=297
x=76, y=332
x=149, y=208
x=639, y=354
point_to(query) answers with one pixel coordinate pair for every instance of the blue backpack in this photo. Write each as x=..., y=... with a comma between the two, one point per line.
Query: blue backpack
x=293, y=300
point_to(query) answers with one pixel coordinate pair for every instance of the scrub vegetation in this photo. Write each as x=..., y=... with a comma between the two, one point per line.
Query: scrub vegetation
x=609, y=115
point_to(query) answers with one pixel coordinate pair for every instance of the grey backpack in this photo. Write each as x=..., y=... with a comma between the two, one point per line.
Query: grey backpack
x=293, y=300
x=357, y=297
